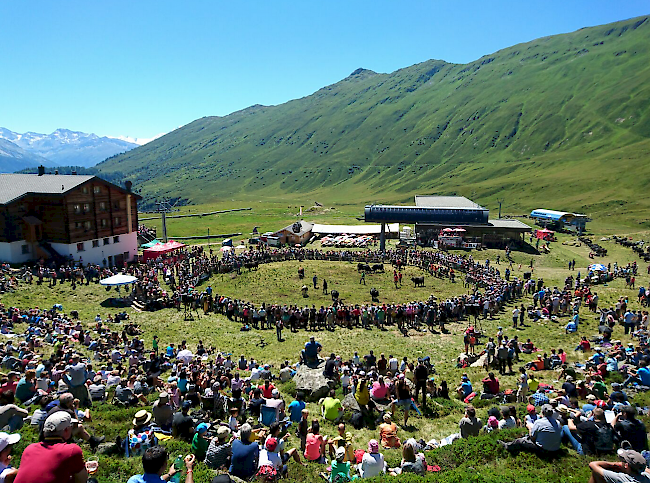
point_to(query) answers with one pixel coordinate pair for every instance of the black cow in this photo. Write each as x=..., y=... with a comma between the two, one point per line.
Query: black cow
x=335, y=295
x=363, y=267
x=374, y=293
x=418, y=281
x=378, y=267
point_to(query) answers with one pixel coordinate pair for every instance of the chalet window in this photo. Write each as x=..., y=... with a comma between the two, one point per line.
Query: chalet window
x=80, y=247
x=77, y=209
x=24, y=249
x=116, y=205
x=107, y=241
x=97, y=189
x=118, y=221
x=102, y=206
x=86, y=207
x=116, y=239
x=95, y=243
x=103, y=222
x=88, y=225
x=78, y=225
x=84, y=190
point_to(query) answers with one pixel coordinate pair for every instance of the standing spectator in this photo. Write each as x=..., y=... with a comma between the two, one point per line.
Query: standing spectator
x=421, y=375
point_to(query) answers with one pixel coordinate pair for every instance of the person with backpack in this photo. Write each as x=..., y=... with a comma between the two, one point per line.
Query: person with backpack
x=591, y=437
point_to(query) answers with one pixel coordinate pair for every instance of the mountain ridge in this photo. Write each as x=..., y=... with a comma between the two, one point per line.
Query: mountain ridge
x=567, y=102
x=67, y=147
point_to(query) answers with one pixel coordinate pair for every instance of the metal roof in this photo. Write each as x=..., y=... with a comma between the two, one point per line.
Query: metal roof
x=449, y=202
x=551, y=214
x=13, y=186
x=510, y=224
x=354, y=229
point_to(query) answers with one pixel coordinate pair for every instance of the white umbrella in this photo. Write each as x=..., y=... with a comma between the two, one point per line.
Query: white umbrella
x=185, y=355
x=119, y=279
x=225, y=249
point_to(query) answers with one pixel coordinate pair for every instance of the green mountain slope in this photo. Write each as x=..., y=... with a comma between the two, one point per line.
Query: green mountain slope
x=562, y=121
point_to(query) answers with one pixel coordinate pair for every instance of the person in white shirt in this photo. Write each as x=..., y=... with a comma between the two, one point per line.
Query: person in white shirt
x=372, y=463
x=255, y=373
x=393, y=364
x=7, y=441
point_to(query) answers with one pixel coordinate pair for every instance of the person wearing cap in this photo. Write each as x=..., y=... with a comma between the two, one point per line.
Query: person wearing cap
x=200, y=441
x=531, y=416
x=66, y=404
x=182, y=423
x=154, y=463
x=219, y=451
x=163, y=412
x=7, y=441
x=277, y=403
x=53, y=460
x=631, y=468
x=372, y=462
x=629, y=428
x=545, y=435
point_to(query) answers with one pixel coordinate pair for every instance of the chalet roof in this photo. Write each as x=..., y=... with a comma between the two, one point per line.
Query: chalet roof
x=15, y=186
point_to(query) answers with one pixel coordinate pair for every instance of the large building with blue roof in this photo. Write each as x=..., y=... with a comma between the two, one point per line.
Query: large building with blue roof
x=560, y=219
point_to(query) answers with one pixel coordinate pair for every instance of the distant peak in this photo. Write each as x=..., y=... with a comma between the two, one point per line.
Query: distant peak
x=362, y=72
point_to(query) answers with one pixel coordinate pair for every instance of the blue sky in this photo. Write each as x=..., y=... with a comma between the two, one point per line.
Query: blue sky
x=141, y=67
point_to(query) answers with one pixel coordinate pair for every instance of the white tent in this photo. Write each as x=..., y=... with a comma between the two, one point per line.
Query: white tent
x=118, y=279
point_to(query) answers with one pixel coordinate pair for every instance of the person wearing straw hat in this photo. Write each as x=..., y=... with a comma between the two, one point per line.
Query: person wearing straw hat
x=163, y=412
x=141, y=436
x=219, y=451
x=630, y=468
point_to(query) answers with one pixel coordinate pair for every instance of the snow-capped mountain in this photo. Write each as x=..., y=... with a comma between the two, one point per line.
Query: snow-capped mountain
x=14, y=158
x=68, y=148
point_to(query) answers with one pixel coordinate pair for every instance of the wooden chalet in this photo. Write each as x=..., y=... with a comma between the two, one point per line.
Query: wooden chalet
x=74, y=217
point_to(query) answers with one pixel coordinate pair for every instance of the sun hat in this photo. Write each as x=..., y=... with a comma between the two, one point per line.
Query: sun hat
x=387, y=417
x=141, y=418
x=562, y=408
x=6, y=439
x=590, y=397
x=636, y=461
x=373, y=446
x=163, y=397
x=223, y=432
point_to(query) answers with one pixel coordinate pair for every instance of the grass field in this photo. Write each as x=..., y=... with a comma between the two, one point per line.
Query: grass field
x=478, y=460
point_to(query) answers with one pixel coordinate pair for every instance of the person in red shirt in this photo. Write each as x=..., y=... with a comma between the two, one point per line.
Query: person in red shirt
x=53, y=460
x=10, y=385
x=491, y=384
x=267, y=389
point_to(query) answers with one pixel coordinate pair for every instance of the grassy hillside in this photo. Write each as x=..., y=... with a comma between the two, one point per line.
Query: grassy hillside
x=561, y=121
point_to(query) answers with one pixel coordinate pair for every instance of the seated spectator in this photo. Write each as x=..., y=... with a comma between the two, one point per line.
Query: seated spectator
x=545, y=435
x=490, y=384
x=640, y=376
x=531, y=416
x=38, y=418
x=200, y=441
x=219, y=451
x=124, y=395
x=629, y=428
x=295, y=408
x=182, y=423
x=331, y=408
x=470, y=425
x=53, y=460
x=315, y=444
x=163, y=413
x=245, y=454
x=340, y=467
x=154, y=463
x=372, y=462
x=632, y=469
x=7, y=442
x=411, y=462
x=26, y=388
x=11, y=416
x=590, y=437
x=388, y=433
x=141, y=437
x=508, y=420
x=492, y=424
x=379, y=391
x=97, y=389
